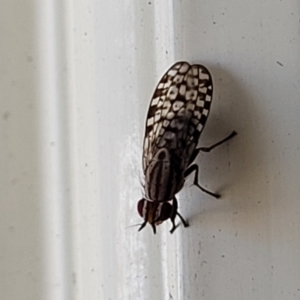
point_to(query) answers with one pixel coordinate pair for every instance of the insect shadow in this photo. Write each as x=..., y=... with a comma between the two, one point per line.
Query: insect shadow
x=228, y=169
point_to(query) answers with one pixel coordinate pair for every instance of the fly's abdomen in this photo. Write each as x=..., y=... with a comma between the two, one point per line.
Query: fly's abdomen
x=161, y=181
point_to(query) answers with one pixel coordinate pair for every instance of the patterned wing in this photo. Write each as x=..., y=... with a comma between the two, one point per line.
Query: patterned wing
x=178, y=112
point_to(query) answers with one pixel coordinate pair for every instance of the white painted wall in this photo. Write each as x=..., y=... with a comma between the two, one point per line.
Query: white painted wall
x=76, y=81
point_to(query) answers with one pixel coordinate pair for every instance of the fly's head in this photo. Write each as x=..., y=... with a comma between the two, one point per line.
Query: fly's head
x=155, y=212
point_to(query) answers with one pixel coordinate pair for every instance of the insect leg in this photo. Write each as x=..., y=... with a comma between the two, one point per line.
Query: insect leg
x=195, y=168
x=184, y=222
x=176, y=213
x=173, y=227
x=207, y=149
x=173, y=214
x=142, y=226
x=154, y=228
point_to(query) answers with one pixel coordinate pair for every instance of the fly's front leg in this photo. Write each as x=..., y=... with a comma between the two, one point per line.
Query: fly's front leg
x=195, y=168
x=184, y=222
x=176, y=213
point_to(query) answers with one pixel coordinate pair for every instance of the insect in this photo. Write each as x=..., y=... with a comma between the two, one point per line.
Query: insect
x=176, y=117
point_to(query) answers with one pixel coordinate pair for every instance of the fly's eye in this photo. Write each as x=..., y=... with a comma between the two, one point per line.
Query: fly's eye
x=165, y=211
x=140, y=207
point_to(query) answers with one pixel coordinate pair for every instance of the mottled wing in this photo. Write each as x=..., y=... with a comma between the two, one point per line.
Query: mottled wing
x=178, y=112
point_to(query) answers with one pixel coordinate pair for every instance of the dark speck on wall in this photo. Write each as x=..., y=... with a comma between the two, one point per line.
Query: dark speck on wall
x=6, y=115
x=279, y=63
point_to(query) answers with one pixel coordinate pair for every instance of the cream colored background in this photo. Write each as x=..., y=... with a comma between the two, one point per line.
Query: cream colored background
x=76, y=81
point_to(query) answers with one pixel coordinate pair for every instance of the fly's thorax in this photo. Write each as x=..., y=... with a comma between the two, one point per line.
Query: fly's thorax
x=162, y=178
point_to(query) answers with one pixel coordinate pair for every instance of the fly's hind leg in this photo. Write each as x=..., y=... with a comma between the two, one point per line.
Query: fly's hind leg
x=208, y=149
